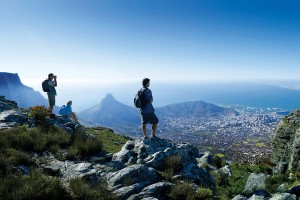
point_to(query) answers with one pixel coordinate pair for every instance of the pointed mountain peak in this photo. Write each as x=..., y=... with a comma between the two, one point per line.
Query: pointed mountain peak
x=109, y=96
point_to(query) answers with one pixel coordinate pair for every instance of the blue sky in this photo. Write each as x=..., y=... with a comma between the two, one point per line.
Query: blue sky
x=112, y=41
x=109, y=40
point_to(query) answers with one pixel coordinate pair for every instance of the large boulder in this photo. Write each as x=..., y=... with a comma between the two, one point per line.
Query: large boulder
x=294, y=190
x=283, y=196
x=286, y=143
x=13, y=118
x=7, y=104
x=68, y=170
x=156, y=190
x=131, y=175
x=255, y=182
x=153, y=153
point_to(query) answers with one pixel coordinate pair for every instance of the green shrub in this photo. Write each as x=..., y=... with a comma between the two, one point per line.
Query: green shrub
x=35, y=186
x=84, y=147
x=218, y=160
x=82, y=190
x=203, y=194
x=182, y=191
x=38, y=113
x=273, y=182
x=173, y=165
x=238, y=179
x=185, y=191
x=15, y=157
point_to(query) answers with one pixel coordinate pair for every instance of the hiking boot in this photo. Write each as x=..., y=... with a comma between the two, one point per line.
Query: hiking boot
x=53, y=116
x=145, y=137
x=154, y=137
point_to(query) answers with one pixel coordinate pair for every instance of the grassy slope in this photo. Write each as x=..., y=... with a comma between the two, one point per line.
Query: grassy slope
x=111, y=141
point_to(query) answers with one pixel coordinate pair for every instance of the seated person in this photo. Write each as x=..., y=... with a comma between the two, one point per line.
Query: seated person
x=66, y=111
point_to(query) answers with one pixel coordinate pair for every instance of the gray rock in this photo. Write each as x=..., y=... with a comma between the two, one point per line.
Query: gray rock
x=125, y=192
x=157, y=190
x=255, y=182
x=22, y=169
x=15, y=116
x=239, y=197
x=225, y=170
x=124, y=155
x=283, y=196
x=286, y=143
x=79, y=129
x=207, y=158
x=7, y=104
x=282, y=187
x=131, y=175
x=255, y=197
x=144, y=148
x=69, y=170
x=197, y=175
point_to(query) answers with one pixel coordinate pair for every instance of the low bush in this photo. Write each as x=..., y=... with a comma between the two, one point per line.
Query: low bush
x=203, y=194
x=34, y=186
x=186, y=191
x=273, y=182
x=172, y=165
x=82, y=190
x=182, y=191
x=83, y=146
x=38, y=114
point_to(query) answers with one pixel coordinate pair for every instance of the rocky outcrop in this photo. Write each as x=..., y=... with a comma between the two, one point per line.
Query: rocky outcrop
x=7, y=104
x=12, y=88
x=134, y=172
x=154, y=153
x=14, y=118
x=254, y=182
x=286, y=143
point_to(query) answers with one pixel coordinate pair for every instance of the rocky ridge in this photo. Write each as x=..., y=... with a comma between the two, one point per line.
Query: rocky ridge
x=286, y=143
x=135, y=172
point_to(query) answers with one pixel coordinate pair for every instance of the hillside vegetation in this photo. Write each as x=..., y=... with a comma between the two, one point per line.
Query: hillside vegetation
x=20, y=176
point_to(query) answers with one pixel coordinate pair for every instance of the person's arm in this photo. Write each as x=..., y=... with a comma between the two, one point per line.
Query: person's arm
x=69, y=109
x=55, y=81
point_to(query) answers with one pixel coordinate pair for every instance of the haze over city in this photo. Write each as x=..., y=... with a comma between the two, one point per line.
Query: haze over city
x=95, y=47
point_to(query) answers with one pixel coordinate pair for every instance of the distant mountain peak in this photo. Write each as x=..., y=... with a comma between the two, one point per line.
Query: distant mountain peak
x=109, y=96
x=10, y=79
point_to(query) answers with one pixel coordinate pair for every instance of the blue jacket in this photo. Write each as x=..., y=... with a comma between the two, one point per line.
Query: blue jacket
x=65, y=110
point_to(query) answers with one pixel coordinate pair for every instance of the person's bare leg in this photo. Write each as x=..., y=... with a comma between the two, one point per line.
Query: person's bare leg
x=144, y=130
x=154, y=126
x=74, y=118
x=51, y=109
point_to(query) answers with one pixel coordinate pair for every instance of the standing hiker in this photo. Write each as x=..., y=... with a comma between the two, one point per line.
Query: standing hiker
x=146, y=108
x=52, y=83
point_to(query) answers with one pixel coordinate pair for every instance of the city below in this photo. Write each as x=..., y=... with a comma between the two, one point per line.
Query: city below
x=246, y=137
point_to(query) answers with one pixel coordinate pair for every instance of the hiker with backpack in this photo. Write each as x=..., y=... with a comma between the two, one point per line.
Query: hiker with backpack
x=66, y=111
x=143, y=100
x=49, y=87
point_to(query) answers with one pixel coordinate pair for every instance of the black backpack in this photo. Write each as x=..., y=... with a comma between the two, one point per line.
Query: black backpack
x=45, y=86
x=139, y=99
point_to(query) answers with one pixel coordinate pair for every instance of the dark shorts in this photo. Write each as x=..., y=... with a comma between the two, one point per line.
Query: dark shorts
x=149, y=118
x=51, y=99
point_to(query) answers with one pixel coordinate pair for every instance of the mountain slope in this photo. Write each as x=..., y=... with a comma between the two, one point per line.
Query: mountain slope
x=126, y=119
x=12, y=88
x=109, y=112
x=197, y=108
